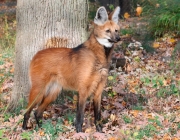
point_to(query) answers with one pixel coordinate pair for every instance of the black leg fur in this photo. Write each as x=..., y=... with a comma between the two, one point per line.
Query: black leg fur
x=79, y=116
x=97, y=117
x=38, y=119
x=26, y=118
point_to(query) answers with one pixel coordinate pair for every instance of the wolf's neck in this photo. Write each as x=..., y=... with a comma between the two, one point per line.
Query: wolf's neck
x=104, y=53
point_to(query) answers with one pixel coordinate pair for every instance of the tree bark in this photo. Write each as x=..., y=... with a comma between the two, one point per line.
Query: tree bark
x=43, y=24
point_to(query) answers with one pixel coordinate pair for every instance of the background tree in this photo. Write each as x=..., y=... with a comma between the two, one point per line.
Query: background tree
x=111, y=4
x=43, y=24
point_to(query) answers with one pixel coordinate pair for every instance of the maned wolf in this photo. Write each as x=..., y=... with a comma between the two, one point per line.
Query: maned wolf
x=83, y=69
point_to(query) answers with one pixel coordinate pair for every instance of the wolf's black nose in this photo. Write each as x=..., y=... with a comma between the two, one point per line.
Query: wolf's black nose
x=118, y=38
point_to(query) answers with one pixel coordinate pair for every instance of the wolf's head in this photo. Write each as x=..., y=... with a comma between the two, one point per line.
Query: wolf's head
x=106, y=28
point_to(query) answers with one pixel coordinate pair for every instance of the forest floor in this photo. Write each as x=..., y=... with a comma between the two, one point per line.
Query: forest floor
x=141, y=99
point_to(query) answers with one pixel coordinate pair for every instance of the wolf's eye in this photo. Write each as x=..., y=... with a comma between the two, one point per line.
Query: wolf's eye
x=116, y=30
x=108, y=31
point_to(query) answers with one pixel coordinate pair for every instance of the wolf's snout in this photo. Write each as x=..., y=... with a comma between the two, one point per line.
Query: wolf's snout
x=118, y=38
x=115, y=40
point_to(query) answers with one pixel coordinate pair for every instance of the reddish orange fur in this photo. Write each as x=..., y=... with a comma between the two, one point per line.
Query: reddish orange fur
x=84, y=69
x=76, y=69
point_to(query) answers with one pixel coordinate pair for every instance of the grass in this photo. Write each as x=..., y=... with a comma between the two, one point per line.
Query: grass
x=128, y=31
x=7, y=49
x=8, y=32
x=6, y=75
x=137, y=107
x=26, y=135
x=163, y=16
x=7, y=43
x=127, y=119
x=159, y=82
x=175, y=63
x=147, y=131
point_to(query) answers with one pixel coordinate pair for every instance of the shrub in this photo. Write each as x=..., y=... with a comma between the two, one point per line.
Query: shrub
x=166, y=18
x=163, y=15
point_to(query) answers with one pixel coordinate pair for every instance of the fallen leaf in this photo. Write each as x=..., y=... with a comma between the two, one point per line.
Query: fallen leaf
x=157, y=5
x=112, y=138
x=105, y=114
x=80, y=135
x=134, y=112
x=139, y=11
x=12, y=70
x=113, y=117
x=126, y=15
x=175, y=138
x=172, y=40
x=166, y=137
x=118, y=105
x=89, y=130
x=128, y=68
x=75, y=97
x=110, y=78
x=135, y=134
x=124, y=103
x=118, y=89
x=156, y=45
x=41, y=133
x=66, y=122
x=178, y=134
x=99, y=136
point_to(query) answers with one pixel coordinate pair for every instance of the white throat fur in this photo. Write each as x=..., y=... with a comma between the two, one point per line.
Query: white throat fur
x=105, y=42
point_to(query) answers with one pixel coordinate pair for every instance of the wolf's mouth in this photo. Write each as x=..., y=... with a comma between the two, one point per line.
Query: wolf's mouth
x=112, y=41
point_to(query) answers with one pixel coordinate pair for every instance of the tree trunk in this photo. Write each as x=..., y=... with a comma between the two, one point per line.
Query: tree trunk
x=43, y=24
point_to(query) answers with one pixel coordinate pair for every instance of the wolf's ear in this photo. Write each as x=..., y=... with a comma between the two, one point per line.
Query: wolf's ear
x=101, y=16
x=114, y=16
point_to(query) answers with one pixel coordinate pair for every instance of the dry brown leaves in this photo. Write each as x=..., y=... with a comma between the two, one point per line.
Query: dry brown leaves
x=131, y=108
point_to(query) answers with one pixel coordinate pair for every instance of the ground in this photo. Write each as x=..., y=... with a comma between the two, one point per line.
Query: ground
x=141, y=99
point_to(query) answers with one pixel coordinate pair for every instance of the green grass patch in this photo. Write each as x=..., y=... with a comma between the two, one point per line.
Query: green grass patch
x=137, y=107
x=8, y=32
x=7, y=43
x=70, y=117
x=53, y=130
x=127, y=119
x=163, y=16
x=27, y=135
x=6, y=58
x=159, y=83
x=2, y=135
x=128, y=31
x=148, y=131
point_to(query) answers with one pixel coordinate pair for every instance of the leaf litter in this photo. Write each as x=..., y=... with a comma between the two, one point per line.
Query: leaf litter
x=141, y=99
